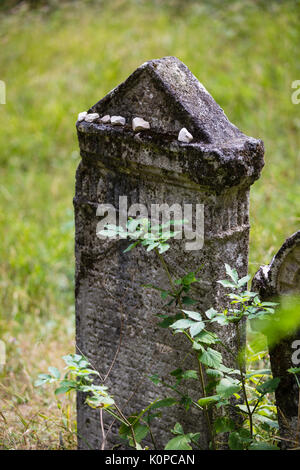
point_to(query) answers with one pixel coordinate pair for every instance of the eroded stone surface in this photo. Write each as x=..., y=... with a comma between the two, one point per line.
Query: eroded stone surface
x=282, y=277
x=152, y=167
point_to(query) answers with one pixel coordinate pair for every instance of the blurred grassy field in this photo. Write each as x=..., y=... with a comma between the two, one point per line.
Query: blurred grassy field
x=59, y=62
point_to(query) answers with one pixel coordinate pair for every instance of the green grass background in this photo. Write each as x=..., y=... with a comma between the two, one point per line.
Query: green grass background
x=59, y=61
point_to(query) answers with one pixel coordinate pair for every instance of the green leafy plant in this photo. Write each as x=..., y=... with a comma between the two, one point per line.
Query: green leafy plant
x=233, y=400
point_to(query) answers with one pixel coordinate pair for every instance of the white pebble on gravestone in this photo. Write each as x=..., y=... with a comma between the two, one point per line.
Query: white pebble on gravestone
x=117, y=121
x=105, y=119
x=81, y=116
x=139, y=124
x=91, y=117
x=185, y=136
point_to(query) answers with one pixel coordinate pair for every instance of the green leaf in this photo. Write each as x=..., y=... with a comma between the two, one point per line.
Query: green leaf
x=131, y=246
x=196, y=328
x=269, y=386
x=188, y=301
x=170, y=401
x=227, y=387
x=207, y=401
x=182, y=324
x=214, y=373
x=190, y=374
x=180, y=442
x=211, y=358
x=54, y=372
x=177, y=373
x=224, y=424
x=194, y=315
x=239, y=440
x=189, y=279
x=211, y=313
x=168, y=320
x=262, y=446
x=294, y=370
x=207, y=337
x=99, y=401
x=259, y=372
x=163, y=247
x=63, y=389
x=271, y=423
x=232, y=273
x=178, y=429
x=244, y=280
x=155, y=379
x=140, y=430
x=226, y=283
x=43, y=379
x=186, y=401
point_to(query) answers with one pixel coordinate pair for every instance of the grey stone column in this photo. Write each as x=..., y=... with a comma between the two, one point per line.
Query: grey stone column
x=281, y=278
x=114, y=315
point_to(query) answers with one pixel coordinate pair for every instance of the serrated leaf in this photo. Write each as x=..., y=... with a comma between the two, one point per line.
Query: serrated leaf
x=194, y=315
x=226, y=283
x=239, y=440
x=244, y=280
x=232, y=273
x=54, y=372
x=214, y=373
x=207, y=401
x=211, y=358
x=182, y=324
x=190, y=374
x=180, y=442
x=269, y=386
x=207, y=337
x=271, y=423
x=226, y=388
x=170, y=401
x=196, y=328
x=211, y=313
x=262, y=446
x=224, y=424
x=178, y=429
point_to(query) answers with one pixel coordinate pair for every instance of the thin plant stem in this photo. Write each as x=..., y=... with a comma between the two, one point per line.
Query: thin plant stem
x=201, y=374
x=241, y=365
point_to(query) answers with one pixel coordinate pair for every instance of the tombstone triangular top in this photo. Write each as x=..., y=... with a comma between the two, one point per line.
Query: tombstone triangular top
x=165, y=93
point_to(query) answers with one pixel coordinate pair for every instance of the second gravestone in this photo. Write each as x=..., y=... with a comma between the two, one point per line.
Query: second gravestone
x=279, y=279
x=115, y=318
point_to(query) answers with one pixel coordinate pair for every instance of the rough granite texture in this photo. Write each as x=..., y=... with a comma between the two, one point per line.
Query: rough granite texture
x=112, y=310
x=282, y=277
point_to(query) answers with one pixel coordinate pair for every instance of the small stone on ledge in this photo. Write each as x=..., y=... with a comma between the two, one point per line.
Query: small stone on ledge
x=81, y=116
x=105, y=119
x=117, y=121
x=139, y=124
x=185, y=136
x=91, y=117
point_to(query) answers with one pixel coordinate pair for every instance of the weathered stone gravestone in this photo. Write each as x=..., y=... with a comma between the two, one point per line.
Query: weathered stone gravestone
x=282, y=277
x=116, y=322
